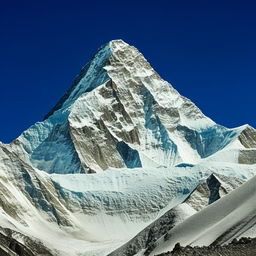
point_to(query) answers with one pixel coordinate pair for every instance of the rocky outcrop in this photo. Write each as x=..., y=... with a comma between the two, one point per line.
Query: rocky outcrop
x=247, y=156
x=10, y=246
x=248, y=137
x=243, y=247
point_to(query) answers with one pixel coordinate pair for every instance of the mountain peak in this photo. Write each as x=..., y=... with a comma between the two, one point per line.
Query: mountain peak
x=117, y=41
x=120, y=113
x=90, y=76
x=95, y=68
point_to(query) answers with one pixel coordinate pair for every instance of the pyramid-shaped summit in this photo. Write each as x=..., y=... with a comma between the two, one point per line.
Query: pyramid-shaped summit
x=120, y=113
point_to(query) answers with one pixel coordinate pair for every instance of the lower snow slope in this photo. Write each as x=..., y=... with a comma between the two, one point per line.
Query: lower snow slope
x=218, y=223
x=87, y=214
x=225, y=178
x=79, y=214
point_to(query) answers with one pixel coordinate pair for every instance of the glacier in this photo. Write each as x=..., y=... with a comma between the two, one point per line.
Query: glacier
x=119, y=162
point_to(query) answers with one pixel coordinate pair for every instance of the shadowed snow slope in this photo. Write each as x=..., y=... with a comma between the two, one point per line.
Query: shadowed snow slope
x=218, y=223
x=149, y=152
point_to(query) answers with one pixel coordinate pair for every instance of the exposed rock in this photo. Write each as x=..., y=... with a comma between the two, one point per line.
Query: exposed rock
x=242, y=247
x=247, y=156
x=248, y=137
x=10, y=246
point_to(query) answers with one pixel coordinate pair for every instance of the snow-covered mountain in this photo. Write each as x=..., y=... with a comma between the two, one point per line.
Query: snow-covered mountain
x=120, y=113
x=121, y=152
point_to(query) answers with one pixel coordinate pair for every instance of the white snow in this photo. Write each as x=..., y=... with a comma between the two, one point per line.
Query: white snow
x=227, y=216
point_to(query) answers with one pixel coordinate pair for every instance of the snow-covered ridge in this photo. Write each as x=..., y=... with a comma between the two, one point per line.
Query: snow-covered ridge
x=229, y=217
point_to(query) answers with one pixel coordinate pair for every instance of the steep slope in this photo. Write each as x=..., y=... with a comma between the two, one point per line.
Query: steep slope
x=218, y=223
x=10, y=246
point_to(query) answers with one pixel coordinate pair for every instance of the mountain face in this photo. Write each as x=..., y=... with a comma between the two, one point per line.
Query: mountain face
x=122, y=160
x=120, y=113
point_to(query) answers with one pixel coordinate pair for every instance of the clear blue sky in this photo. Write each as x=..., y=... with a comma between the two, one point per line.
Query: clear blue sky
x=206, y=49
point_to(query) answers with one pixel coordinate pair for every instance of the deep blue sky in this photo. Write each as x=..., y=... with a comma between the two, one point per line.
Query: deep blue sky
x=206, y=49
